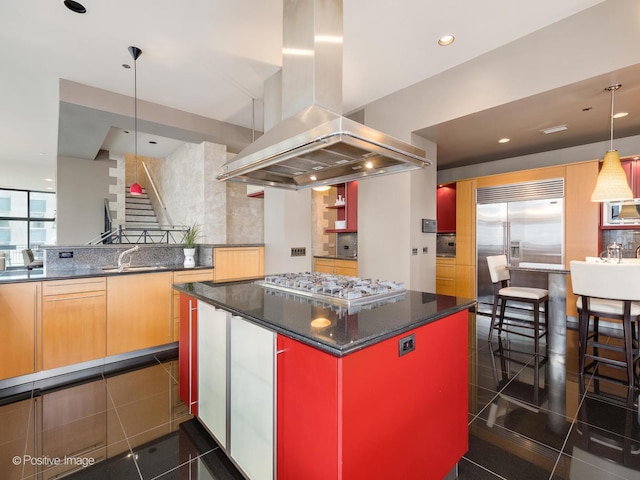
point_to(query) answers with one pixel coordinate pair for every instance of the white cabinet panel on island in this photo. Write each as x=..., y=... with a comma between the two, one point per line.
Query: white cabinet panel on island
x=212, y=370
x=252, y=398
x=236, y=388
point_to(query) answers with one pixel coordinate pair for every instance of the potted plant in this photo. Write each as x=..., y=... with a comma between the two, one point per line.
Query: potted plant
x=189, y=241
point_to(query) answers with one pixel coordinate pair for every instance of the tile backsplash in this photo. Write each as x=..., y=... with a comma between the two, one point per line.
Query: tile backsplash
x=629, y=239
x=446, y=244
x=347, y=245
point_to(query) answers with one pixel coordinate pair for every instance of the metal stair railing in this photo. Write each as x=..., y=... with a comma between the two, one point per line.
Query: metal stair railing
x=157, y=194
x=165, y=235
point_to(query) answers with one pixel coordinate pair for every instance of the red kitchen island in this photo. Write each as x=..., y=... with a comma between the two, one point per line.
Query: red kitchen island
x=371, y=391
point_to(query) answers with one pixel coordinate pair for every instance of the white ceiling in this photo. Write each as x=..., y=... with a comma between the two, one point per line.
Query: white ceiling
x=211, y=57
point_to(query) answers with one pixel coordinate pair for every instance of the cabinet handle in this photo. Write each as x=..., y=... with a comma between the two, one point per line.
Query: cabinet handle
x=48, y=299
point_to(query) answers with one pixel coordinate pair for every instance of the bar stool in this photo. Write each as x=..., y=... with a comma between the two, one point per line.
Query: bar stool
x=504, y=292
x=609, y=291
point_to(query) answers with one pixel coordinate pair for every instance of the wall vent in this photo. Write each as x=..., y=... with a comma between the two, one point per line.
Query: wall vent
x=298, y=251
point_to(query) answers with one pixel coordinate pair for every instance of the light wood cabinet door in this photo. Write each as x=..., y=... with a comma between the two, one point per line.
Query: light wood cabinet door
x=348, y=268
x=446, y=276
x=237, y=263
x=19, y=322
x=138, y=312
x=74, y=317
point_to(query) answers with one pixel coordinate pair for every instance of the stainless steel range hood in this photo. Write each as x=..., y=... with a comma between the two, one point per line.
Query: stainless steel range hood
x=313, y=145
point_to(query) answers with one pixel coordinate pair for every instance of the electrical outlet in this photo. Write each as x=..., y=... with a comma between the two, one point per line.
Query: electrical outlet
x=406, y=344
x=414, y=251
x=298, y=251
x=425, y=249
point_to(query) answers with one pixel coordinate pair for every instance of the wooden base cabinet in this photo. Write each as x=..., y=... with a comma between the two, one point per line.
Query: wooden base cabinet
x=138, y=312
x=20, y=320
x=237, y=263
x=74, y=317
x=446, y=276
x=373, y=413
x=348, y=268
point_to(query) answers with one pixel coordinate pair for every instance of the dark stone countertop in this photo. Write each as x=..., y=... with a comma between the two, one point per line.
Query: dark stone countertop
x=351, y=328
x=42, y=274
x=336, y=257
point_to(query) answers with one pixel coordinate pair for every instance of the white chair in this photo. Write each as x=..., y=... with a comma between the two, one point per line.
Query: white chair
x=611, y=291
x=29, y=260
x=504, y=293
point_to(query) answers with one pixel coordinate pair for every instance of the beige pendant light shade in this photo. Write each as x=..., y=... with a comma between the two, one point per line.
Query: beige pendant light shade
x=612, y=183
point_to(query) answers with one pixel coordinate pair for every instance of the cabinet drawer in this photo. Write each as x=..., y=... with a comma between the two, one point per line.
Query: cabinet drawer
x=193, y=276
x=61, y=287
x=445, y=271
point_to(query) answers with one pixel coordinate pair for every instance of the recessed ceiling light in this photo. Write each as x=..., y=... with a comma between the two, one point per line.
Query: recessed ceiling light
x=75, y=6
x=504, y=140
x=368, y=164
x=558, y=128
x=313, y=178
x=445, y=40
x=621, y=114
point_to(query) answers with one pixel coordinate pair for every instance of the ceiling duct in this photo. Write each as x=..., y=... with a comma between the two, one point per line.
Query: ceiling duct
x=314, y=145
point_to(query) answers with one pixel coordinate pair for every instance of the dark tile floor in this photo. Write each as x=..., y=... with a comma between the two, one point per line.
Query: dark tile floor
x=528, y=419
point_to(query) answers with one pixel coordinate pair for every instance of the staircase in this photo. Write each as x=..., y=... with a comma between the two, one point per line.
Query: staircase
x=139, y=212
x=141, y=223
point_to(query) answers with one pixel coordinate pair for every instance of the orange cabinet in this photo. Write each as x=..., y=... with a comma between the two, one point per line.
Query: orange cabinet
x=74, y=321
x=19, y=323
x=237, y=263
x=138, y=312
x=332, y=266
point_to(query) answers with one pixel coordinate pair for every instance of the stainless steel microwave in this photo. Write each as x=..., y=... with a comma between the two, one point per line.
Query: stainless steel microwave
x=624, y=212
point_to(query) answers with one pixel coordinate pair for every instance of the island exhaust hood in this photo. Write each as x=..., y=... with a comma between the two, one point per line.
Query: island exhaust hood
x=313, y=145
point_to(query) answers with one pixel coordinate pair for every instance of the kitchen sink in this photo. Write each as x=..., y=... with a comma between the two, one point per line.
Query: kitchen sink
x=141, y=268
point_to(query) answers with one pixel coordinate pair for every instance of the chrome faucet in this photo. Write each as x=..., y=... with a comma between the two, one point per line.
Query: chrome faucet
x=121, y=256
x=638, y=252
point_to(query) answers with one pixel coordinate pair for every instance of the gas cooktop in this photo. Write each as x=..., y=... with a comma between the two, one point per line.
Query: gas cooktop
x=333, y=288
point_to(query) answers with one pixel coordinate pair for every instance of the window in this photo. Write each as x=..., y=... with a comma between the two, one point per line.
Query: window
x=27, y=220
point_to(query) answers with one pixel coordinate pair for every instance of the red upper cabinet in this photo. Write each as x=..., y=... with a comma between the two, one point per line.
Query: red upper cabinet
x=632, y=169
x=446, y=208
x=347, y=210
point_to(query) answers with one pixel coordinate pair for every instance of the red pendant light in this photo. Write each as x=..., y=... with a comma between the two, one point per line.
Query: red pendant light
x=135, y=52
x=135, y=189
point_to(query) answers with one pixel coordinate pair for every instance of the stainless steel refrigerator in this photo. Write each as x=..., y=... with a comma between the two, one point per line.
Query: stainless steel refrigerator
x=526, y=223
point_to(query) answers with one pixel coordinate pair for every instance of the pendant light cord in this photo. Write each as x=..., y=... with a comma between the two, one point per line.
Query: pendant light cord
x=612, y=89
x=135, y=112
